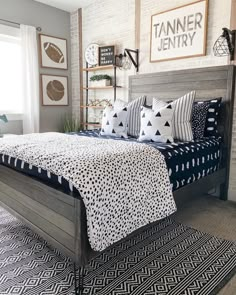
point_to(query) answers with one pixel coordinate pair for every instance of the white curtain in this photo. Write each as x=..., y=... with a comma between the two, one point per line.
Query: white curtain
x=30, y=79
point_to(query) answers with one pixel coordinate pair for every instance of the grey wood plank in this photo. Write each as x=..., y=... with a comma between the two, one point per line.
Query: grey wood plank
x=50, y=229
x=43, y=194
x=192, y=77
x=43, y=211
x=50, y=240
x=180, y=86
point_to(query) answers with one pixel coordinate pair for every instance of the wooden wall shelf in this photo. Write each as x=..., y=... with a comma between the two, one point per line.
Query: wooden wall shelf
x=100, y=68
x=99, y=88
x=93, y=107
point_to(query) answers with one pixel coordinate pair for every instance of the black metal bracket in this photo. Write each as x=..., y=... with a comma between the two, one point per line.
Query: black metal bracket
x=134, y=59
x=230, y=36
x=79, y=281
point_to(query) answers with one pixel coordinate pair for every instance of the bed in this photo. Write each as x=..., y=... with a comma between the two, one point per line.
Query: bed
x=57, y=212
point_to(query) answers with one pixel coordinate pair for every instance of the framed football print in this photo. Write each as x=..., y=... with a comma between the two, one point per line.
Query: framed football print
x=54, y=90
x=53, y=52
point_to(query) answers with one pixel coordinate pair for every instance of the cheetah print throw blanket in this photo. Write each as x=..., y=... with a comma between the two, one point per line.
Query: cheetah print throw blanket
x=124, y=185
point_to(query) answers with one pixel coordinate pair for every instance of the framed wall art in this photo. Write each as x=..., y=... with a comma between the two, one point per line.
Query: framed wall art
x=54, y=90
x=180, y=32
x=53, y=52
x=106, y=55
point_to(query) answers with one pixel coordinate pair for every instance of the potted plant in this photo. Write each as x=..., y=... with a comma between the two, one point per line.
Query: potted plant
x=100, y=80
x=70, y=125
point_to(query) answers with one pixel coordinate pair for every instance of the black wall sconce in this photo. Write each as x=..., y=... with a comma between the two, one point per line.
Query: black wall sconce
x=225, y=44
x=129, y=57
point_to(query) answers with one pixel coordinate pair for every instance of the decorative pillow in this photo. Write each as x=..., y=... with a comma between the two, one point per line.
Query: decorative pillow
x=182, y=128
x=114, y=122
x=157, y=104
x=157, y=125
x=212, y=117
x=199, y=119
x=134, y=116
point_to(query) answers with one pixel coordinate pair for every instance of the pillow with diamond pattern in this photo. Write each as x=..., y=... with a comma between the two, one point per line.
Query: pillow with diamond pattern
x=156, y=125
x=114, y=122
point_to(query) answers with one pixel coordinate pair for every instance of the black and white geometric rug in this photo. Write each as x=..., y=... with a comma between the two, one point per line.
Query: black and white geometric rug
x=166, y=258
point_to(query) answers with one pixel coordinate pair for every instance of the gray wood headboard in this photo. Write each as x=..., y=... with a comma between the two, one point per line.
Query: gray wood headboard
x=208, y=82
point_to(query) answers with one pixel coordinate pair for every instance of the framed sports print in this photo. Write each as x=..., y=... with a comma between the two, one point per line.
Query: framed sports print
x=53, y=52
x=54, y=90
x=180, y=32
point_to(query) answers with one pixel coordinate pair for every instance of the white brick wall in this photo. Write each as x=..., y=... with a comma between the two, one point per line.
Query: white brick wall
x=109, y=22
x=75, y=65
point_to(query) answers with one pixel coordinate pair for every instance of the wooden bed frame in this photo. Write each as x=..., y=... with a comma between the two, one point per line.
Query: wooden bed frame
x=58, y=218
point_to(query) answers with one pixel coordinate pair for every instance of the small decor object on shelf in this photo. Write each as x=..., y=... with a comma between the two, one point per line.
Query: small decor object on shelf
x=5, y=120
x=100, y=103
x=180, y=32
x=106, y=55
x=91, y=54
x=54, y=90
x=53, y=52
x=100, y=80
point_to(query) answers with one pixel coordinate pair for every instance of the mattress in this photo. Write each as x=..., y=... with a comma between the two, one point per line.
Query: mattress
x=186, y=161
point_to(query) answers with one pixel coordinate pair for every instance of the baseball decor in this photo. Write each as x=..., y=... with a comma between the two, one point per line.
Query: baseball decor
x=180, y=32
x=54, y=90
x=53, y=52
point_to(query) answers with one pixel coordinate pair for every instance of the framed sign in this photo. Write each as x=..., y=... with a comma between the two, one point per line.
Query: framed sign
x=54, y=90
x=53, y=52
x=106, y=55
x=180, y=32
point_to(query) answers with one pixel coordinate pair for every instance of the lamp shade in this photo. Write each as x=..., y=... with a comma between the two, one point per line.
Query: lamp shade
x=3, y=118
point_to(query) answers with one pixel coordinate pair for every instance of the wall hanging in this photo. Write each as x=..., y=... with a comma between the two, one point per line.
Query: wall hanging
x=54, y=90
x=180, y=32
x=225, y=44
x=53, y=52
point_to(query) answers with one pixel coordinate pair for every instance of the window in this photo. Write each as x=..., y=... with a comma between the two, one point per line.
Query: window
x=11, y=101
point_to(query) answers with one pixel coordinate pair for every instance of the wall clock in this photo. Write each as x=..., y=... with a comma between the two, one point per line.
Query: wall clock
x=91, y=54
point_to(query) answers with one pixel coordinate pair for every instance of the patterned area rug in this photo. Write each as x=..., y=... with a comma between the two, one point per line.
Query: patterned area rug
x=165, y=258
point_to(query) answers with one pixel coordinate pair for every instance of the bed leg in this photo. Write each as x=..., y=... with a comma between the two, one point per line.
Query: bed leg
x=224, y=192
x=79, y=282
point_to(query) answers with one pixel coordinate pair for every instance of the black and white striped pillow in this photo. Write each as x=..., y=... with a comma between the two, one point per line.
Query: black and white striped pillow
x=134, y=121
x=182, y=116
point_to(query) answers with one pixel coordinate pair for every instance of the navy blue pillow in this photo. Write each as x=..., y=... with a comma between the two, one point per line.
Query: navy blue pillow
x=212, y=117
x=199, y=117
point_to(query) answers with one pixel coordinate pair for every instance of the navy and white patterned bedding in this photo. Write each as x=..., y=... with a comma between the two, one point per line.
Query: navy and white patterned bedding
x=186, y=161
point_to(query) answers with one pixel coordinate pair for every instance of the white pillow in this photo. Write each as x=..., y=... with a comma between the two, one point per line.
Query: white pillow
x=182, y=118
x=157, y=125
x=114, y=122
x=134, y=108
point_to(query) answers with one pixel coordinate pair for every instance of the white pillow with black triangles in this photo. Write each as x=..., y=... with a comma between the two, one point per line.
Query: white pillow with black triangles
x=157, y=125
x=115, y=121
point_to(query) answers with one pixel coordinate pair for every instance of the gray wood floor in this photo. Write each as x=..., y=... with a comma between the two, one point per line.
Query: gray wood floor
x=211, y=215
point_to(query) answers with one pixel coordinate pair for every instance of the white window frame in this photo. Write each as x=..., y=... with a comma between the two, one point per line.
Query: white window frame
x=9, y=34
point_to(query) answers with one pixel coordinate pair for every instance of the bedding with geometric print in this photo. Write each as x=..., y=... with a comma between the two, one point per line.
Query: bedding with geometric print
x=182, y=106
x=157, y=125
x=115, y=121
x=212, y=117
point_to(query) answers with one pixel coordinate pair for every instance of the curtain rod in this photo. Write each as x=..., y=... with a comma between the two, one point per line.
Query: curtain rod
x=39, y=29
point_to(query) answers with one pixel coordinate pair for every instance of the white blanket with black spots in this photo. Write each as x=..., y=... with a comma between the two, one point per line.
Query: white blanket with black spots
x=124, y=185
